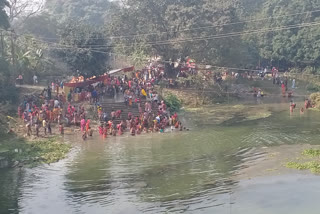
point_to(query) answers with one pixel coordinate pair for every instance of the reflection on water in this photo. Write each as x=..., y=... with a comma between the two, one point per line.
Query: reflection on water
x=181, y=172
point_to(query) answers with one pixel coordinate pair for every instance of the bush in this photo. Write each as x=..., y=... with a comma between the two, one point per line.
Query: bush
x=8, y=93
x=173, y=102
x=315, y=99
x=313, y=88
x=309, y=70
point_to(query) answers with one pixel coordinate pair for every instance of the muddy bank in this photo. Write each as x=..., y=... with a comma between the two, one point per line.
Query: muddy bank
x=219, y=114
x=273, y=161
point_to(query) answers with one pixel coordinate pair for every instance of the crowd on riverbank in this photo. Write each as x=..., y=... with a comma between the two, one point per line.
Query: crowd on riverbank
x=53, y=108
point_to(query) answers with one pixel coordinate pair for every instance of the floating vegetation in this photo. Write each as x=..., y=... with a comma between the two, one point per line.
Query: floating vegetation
x=48, y=151
x=35, y=152
x=311, y=152
x=259, y=115
x=313, y=165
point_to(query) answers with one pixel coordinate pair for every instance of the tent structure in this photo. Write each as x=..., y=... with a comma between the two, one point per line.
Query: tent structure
x=81, y=82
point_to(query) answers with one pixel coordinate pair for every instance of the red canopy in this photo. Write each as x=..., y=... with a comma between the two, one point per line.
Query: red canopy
x=94, y=80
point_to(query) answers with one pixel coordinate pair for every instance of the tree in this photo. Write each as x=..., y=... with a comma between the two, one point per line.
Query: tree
x=21, y=10
x=163, y=26
x=31, y=57
x=42, y=25
x=4, y=22
x=84, y=48
x=88, y=11
x=298, y=46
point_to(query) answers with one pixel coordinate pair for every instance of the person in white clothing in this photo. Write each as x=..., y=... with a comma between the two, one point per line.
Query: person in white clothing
x=35, y=79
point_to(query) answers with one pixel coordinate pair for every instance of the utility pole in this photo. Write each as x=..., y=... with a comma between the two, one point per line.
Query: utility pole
x=2, y=44
x=13, y=53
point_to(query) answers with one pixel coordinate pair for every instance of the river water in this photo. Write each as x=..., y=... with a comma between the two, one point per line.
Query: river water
x=181, y=172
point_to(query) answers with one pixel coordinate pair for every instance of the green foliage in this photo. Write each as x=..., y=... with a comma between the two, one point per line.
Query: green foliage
x=93, y=12
x=86, y=49
x=309, y=70
x=31, y=57
x=35, y=152
x=164, y=20
x=8, y=91
x=42, y=25
x=173, y=102
x=292, y=47
x=313, y=87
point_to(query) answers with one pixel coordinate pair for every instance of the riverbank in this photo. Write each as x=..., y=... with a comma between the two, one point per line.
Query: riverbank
x=16, y=149
x=271, y=161
x=24, y=152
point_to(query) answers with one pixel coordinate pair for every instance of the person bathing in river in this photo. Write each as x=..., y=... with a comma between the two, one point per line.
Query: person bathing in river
x=101, y=130
x=84, y=135
x=105, y=131
x=180, y=126
x=83, y=124
x=119, y=127
x=292, y=106
x=90, y=131
x=307, y=104
x=132, y=131
x=88, y=126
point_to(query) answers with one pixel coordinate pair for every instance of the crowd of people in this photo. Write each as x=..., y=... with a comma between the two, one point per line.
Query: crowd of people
x=40, y=112
x=144, y=123
x=153, y=116
x=52, y=107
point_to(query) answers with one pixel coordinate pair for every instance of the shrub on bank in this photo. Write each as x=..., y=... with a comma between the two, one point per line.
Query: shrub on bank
x=313, y=87
x=315, y=99
x=173, y=102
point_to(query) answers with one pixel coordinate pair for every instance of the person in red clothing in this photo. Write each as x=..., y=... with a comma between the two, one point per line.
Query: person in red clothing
x=174, y=118
x=118, y=113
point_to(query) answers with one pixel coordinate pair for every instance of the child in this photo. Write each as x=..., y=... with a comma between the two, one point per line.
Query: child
x=29, y=131
x=44, y=124
x=101, y=130
x=37, y=129
x=84, y=136
x=49, y=128
x=105, y=131
x=133, y=131
x=90, y=132
x=61, y=129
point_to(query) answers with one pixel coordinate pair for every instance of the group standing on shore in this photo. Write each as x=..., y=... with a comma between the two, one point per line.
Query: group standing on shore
x=53, y=106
